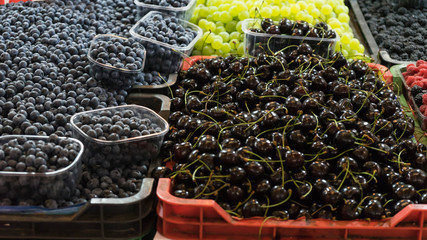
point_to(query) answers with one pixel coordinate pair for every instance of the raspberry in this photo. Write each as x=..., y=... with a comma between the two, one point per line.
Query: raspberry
x=420, y=62
x=411, y=69
x=423, y=109
x=425, y=99
x=422, y=66
x=419, y=83
x=410, y=80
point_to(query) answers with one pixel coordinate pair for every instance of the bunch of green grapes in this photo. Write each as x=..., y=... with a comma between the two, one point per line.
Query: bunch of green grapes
x=221, y=21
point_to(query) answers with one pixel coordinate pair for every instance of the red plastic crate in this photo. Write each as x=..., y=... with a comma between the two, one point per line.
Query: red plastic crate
x=181, y=218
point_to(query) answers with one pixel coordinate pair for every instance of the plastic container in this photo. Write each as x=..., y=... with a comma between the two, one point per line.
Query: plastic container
x=181, y=218
x=408, y=3
x=160, y=88
x=156, y=102
x=100, y=218
x=50, y=185
x=256, y=43
x=163, y=57
x=372, y=45
x=134, y=149
x=184, y=13
x=119, y=78
x=406, y=91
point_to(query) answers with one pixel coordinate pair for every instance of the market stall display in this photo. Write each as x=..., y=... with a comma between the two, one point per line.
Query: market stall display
x=285, y=130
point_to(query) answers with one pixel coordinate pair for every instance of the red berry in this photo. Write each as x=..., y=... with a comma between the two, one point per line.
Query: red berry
x=419, y=83
x=420, y=62
x=410, y=80
x=423, y=109
x=425, y=99
x=423, y=66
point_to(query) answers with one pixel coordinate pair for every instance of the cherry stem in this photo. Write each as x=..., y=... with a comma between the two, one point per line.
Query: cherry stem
x=241, y=203
x=280, y=203
x=261, y=158
x=217, y=190
x=283, y=168
x=206, y=185
x=339, y=155
x=347, y=169
x=323, y=207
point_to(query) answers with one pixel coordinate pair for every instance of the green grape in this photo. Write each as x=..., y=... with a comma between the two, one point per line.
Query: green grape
x=343, y=17
x=345, y=38
x=285, y=11
x=210, y=26
x=341, y=9
x=230, y=26
x=203, y=12
x=226, y=17
x=219, y=24
x=354, y=44
x=225, y=36
x=210, y=17
x=241, y=49
x=217, y=42
x=233, y=11
x=266, y=12
x=226, y=48
x=202, y=23
x=239, y=27
x=302, y=5
x=326, y=9
x=234, y=43
x=220, y=30
x=240, y=6
x=275, y=12
x=361, y=48
x=200, y=2
x=234, y=35
x=243, y=15
x=197, y=52
x=208, y=50
x=224, y=7
x=217, y=16
x=208, y=37
x=199, y=44
x=295, y=8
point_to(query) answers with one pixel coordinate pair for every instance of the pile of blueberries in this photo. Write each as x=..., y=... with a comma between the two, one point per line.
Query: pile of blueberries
x=44, y=71
x=38, y=156
x=116, y=62
x=165, y=29
x=151, y=78
x=167, y=3
x=116, y=169
x=116, y=125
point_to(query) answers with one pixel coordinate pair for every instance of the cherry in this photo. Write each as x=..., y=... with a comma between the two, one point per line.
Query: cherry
x=252, y=208
x=297, y=32
x=263, y=146
x=276, y=176
x=344, y=139
x=401, y=204
x=308, y=122
x=384, y=127
x=273, y=29
x=246, y=97
x=350, y=192
x=373, y=210
x=208, y=143
x=286, y=26
x=282, y=214
x=403, y=191
x=235, y=194
x=278, y=194
x=419, y=161
x=318, y=169
x=193, y=103
x=348, y=210
x=160, y=172
x=346, y=162
x=237, y=174
x=331, y=196
x=265, y=23
x=319, y=83
x=263, y=186
x=294, y=159
x=209, y=160
x=297, y=139
x=330, y=74
x=182, y=193
x=254, y=169
x=373, y=168
x=415, y=177
x=228, y=157
x=270, y=120
x=181, y=151
x=231, y=143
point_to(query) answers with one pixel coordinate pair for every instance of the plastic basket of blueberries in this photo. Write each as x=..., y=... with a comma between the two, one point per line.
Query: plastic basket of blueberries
x=38, y=169
x=167, y=40
x=116, y=61
x=179, y=8
x=119, y=135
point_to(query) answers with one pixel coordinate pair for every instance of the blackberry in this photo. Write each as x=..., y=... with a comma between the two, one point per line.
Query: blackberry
x=419, y=99
x=415, y=90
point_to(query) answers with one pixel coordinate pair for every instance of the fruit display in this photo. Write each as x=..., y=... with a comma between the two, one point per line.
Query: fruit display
x=221, y=22
x=182, y=9
x=166, y=39
x=282, y=137
x=37, y=170
x=400, y=30
x=268, y=36
x=115, y=61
